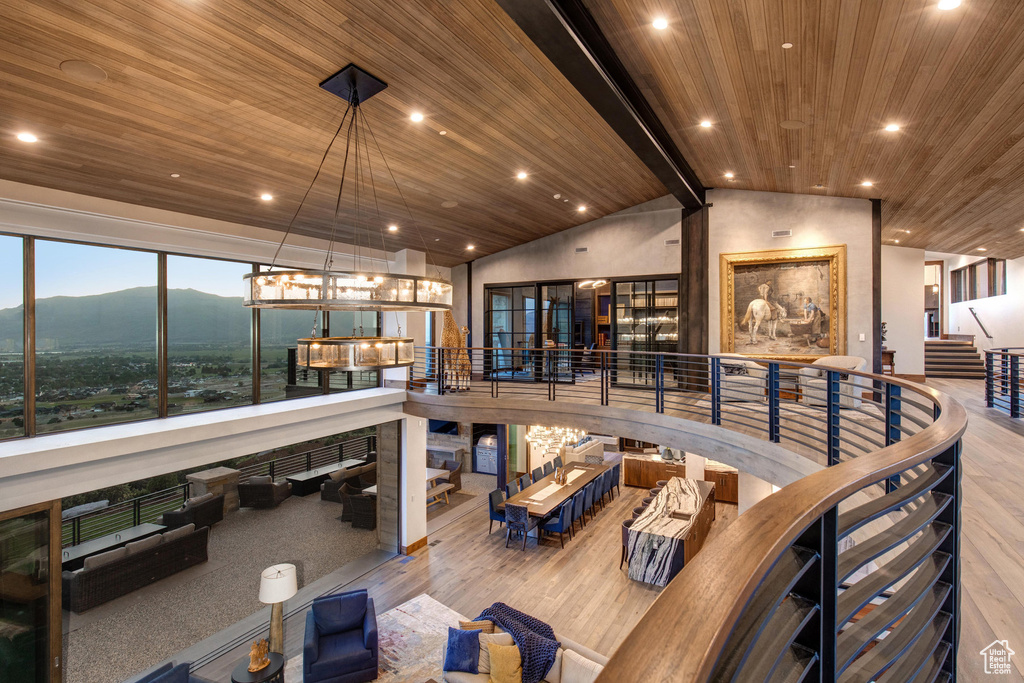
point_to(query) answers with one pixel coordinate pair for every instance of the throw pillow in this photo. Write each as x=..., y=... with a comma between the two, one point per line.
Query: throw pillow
x=104, y=558
x=506, y=663
x=143, y=545
x=178, y=674
x=261, y=480
x=337, y=475
x=484, y=666
x=484, y=626
x=463, y=653
x=578, y=669
x=180, y=532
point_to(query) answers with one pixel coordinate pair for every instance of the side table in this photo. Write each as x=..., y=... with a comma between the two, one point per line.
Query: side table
x=272, y=673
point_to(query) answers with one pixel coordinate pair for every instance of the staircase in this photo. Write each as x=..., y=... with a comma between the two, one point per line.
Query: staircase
x=953, y=359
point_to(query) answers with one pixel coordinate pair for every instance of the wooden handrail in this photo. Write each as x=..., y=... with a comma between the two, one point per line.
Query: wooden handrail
x=682, y=635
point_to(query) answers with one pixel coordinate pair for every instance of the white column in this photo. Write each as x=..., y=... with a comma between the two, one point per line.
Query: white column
x=407, y=262
x=752, y=491
x=413, y=481
x=695, y=466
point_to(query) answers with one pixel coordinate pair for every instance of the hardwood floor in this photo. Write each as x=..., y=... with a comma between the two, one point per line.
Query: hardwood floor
x=581, y=592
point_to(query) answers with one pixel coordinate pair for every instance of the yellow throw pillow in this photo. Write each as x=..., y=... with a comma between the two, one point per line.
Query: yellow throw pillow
x=484, y=625
x=484, y=665
x=506, y=663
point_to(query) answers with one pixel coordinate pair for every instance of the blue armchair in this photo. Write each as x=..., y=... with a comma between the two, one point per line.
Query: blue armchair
x=341, y=640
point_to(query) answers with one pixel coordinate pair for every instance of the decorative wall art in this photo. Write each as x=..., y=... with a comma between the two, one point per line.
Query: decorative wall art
x=784, y=304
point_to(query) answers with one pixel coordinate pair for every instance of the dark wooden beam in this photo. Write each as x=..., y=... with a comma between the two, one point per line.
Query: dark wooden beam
x=693, y=283
x=568, y=35
x=876, y=285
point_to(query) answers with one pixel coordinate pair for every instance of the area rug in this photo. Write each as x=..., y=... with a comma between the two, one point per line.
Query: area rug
x=411, y=638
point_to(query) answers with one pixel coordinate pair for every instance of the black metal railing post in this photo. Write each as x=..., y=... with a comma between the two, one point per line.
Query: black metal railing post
x=951, y=546
x=1014, y=385
x=832, y=413
x=76, y=531
x=604, y=378
x=550, y=372
x=659, y=383
x=272, y=469
x=440, y=372
x=892, y=426
x=774, y=431
x=136, y=511
x=990, y=379
x=716, y=391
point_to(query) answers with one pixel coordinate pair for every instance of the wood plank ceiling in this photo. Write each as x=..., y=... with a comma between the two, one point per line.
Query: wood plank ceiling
x=951, y=179
x=224, y=93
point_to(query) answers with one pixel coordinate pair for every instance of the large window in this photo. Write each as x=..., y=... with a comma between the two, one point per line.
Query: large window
x=279, y=377
x=978, y=280
x=209, y=335
x=12, y=340
x=96, y=341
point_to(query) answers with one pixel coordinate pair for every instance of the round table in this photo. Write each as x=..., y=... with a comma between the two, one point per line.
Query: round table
x=271, y=673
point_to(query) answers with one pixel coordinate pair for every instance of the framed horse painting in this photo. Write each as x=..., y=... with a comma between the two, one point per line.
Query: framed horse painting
x=784, y=304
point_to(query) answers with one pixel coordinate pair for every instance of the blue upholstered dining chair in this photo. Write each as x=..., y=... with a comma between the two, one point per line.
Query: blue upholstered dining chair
x=548, y=468
x=616, y=470
x=524, y=481
x=558, y=461
x=560, y=522
x=517, y=518
x=511, y=488
x=588, y=501
x=341, y=639
x=577, y=508
x=538, y=474
x=493, y=501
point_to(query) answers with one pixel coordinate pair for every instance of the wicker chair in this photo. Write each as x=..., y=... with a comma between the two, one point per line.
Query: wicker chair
x=202, y=511
x=455, y=478
x=346, y=492
x=364, y=511
x=262, y=492
x=331, y=488
x=517, y=519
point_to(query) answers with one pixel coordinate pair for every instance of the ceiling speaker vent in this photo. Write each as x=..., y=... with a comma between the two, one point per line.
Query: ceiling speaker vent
x=782, y=233
x=582, y=250
x=672, y=243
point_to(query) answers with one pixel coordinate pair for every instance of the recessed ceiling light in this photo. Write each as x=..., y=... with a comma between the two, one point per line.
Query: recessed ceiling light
x=581, y=208
x=792, y=166
x=729, y=174
x=907, y=231
x=449, y=204
x=867, y=183
x=416, y=117
x=442, y=132
x=793, y=124
x=80, y=70
x=557, y=196
x=27, y=137
x=982, y=249
x=521, y=175
x=892, y=128
x=266, y=196
x=437, y=239
x=175, y=175
x=705, y=124
x=470, y=247
x=661, y=23
x=896, y=241
x=786, y=46
x=819, y=186
x=393, y=228
x=949, y=4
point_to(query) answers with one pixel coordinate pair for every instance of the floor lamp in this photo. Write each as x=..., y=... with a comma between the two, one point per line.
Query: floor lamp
x=277, y=584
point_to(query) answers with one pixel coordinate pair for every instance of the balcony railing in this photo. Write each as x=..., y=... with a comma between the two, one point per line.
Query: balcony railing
x=775, y=596
x=1003, y=380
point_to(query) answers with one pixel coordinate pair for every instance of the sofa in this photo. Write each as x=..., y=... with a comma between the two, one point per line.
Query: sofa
x=205, y=510
x=741, y=379
x=814, y=381
x=554, y=674
x=262, y=492
x=340, y=643
x=331, y=488
x=122, y=570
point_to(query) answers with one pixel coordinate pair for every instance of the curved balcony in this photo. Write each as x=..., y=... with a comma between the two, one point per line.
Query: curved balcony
x=1003, y=380
x=871, y=467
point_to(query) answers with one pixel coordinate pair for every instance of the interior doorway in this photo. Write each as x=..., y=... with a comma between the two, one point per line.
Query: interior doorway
x=934, y=322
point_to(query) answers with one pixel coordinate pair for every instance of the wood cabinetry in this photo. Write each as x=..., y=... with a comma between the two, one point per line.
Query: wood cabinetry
x=701, y=527
x=727, y=484
x=646, y=472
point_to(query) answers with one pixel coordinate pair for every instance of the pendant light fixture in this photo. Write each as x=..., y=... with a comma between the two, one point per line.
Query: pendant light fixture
x=364, y=287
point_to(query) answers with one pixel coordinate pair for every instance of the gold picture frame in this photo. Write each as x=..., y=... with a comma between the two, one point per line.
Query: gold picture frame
x=788, y=277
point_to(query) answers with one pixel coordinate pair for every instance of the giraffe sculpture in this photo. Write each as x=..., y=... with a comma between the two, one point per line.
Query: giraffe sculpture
x=456, y=362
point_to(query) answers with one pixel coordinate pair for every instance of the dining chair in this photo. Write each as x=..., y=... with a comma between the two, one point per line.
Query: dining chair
x=558, y=461
x=615, y=476
x=602, y=487
x=577, y=509
x=538, y=474
x=517, y=518
x=559, y=522
x=607, y=478
x=637, y=511
x=625, y=541
x=588, y=500
x=524, y=481
x=493, y=501
x=548, y=468
x=511, y=488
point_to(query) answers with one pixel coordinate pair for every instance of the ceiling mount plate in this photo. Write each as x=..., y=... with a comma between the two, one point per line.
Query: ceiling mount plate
x=353, y=79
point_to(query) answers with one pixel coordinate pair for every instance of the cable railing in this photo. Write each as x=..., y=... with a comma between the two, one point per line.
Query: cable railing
x=851, y=573
x=287, y=465
x=1003, y=380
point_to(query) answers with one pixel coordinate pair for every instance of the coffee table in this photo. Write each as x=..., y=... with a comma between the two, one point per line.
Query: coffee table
x=272, y=673
x=305, y=483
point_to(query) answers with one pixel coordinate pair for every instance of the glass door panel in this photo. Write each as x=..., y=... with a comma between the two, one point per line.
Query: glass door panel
x=556, y=329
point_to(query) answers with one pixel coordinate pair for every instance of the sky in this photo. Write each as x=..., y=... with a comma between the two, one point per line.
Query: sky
x=64, y=269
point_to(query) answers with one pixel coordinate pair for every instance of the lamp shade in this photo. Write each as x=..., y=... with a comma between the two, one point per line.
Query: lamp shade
x=278, y=583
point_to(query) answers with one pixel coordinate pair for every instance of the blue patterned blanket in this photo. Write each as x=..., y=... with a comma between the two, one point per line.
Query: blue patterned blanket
x=535, y=639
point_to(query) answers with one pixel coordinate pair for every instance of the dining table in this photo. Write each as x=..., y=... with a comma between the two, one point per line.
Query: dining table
x=544, y=495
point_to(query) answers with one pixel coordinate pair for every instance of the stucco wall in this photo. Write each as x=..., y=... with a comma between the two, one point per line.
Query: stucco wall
x=903, y=307
x=1003, y=316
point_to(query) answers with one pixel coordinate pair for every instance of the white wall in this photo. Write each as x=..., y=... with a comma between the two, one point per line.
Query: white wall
x=630, y=242
x=903, y=307
x=743, y=221
x=1002, y=315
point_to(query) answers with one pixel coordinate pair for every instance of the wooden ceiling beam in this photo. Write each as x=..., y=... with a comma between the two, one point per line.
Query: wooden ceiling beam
x=568, y=35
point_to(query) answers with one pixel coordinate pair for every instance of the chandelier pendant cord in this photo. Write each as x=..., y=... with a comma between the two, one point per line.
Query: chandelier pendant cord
x=329, y=260
x=319, y=168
